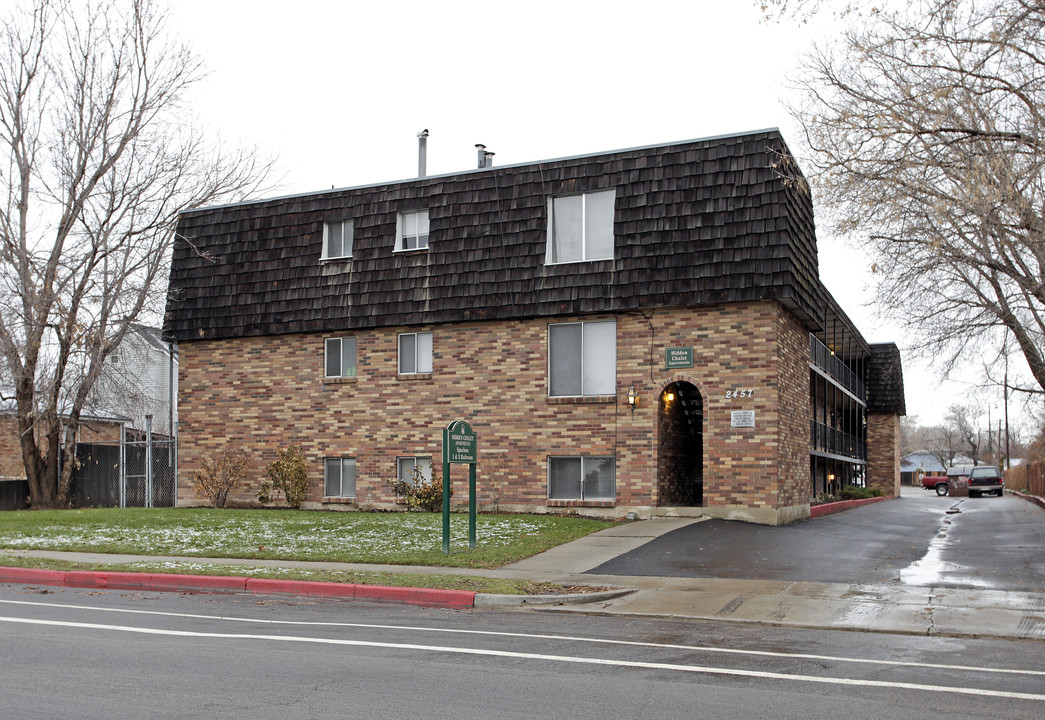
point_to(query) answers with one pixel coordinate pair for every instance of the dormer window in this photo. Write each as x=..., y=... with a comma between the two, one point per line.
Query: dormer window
x=412, y=230
x=337, y=239
x=580, y=227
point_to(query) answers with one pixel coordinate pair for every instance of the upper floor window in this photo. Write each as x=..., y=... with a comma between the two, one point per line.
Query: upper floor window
x=582, y=358
x=580, y=227
x=337, y=239
x=412, y=230
x=415, y=353
x=340, y=358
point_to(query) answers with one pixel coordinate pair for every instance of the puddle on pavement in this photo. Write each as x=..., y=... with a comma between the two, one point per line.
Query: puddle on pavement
x=931, y=569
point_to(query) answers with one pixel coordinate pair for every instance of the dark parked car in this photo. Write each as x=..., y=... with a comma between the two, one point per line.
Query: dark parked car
x=985, y=479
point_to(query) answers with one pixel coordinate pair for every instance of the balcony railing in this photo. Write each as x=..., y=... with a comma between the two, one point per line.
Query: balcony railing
x=824, y=359
x=827, y=439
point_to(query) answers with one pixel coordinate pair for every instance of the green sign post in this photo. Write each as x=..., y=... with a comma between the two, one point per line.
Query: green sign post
x=460, y=445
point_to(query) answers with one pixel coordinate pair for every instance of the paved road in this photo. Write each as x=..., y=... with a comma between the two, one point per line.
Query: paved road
x=989, y=543
x=106, y=654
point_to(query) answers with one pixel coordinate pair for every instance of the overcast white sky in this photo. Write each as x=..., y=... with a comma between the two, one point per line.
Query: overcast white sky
x=339, y=90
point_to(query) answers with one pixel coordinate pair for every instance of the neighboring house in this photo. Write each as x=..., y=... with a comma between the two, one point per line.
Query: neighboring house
x=141, y=378
x=642, y=330
x=95, y=426
x=917, y=464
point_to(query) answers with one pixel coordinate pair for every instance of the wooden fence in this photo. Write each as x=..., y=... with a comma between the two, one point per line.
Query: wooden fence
x=1029, y=478
x=14, y=493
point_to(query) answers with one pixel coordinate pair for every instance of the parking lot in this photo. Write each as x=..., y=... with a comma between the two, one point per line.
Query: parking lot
x=919, y=539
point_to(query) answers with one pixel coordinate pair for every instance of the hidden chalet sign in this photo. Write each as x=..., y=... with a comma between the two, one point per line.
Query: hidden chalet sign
x=680, y=357
x=460, y=443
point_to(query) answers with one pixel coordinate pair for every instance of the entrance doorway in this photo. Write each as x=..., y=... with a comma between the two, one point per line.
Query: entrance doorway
x=680, y=451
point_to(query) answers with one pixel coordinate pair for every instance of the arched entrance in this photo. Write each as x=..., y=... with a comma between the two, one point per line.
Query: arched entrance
x=680, y=450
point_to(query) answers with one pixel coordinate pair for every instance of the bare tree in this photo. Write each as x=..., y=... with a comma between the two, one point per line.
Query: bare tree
x=927, y=127
x=936, y=440
x=99, y=156
x=910, y=435
x=963, y=430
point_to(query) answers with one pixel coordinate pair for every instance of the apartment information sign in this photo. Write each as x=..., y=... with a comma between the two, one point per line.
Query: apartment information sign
x=460, y=445
x=680, y=357
x=742, y=418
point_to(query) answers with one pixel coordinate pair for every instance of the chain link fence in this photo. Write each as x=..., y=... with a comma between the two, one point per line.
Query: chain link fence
x=128, y=474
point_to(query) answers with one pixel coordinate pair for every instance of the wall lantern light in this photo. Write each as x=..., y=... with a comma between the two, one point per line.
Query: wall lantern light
x=633, y=399
x=670, y=396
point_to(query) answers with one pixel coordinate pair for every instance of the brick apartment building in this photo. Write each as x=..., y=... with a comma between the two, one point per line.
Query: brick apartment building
x=637, y=331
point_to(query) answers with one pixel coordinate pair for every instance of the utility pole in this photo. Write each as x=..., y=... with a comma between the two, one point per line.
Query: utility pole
x=990, y=434
x=1005, y=394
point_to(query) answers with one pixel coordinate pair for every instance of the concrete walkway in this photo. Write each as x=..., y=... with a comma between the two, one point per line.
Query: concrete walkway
x=890, y=608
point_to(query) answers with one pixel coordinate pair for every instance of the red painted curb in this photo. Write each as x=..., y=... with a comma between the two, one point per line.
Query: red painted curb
x=172, y=582
x=104, y=580
x=165, y=582
x=32, y=575
x=430, y=597
x=266, y=586
x=1037, y=500
x=831, y=508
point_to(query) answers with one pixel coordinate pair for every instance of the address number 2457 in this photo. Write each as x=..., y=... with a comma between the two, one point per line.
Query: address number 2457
x=732, y=394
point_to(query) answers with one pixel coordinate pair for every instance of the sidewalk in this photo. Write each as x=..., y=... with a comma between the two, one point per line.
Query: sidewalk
x=838, y=606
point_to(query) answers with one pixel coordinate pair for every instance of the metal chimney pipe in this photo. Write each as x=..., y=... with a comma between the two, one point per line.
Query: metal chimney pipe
x=485, y=158
x=422, y=152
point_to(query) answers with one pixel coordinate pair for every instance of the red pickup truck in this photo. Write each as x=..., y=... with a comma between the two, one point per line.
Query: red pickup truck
x=935, y=482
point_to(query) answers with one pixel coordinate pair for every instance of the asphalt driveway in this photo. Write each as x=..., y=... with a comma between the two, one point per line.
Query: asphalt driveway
x=989, y=542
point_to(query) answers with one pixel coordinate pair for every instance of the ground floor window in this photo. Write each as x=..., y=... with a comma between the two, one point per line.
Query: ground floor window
x=581, y=478
x=414, y=469
x=339, y=477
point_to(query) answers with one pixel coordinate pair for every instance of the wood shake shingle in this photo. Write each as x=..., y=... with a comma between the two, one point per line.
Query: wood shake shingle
x=696, y=223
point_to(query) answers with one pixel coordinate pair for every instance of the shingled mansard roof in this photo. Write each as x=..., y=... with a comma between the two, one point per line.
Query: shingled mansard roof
x=885, y=380
x=700, y=222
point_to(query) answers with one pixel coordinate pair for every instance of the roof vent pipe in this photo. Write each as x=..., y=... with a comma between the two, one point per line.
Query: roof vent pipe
x=422, y=152
x=485, y=158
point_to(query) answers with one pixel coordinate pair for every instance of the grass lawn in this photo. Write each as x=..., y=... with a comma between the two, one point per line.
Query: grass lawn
x=386, y=538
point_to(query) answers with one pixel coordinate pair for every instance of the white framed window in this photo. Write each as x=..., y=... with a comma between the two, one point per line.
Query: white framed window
x=580, y=227
x=582, y=358
x=340, y=357
x=415, y=353
x=339, y=477
x=337, y=239
x=412, y=230
x=582, y=478
x=405, y=467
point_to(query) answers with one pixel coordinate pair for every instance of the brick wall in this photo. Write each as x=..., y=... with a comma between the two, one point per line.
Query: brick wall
x=264, y=393
x=11, y=465
x=795, y=414
x=883, y=452
x=11, y=449
x=99, y=431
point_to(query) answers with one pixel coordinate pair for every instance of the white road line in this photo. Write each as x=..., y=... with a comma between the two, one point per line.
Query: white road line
x=538, y=656
x=539, y=636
